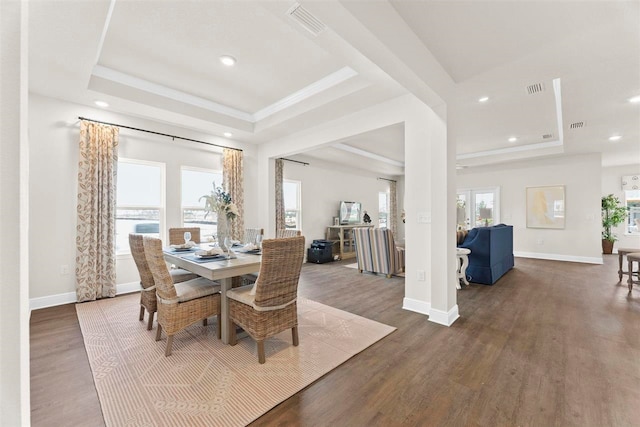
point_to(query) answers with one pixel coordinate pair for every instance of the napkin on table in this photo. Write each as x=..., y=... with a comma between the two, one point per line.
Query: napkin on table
x=209, y=252
x=187, y=245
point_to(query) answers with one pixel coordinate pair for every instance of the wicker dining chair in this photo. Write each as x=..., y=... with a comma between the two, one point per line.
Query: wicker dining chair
x=272, y=308
x=288, y=232
x=250, y=234
x=176, y=235
x=148, y=299
x=181, y=304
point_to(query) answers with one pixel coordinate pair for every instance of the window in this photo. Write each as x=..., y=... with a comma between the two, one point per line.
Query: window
x=292, y=204
x=478, y=207
x=195, y=184
x=632, y=201
x=383, y=209
x=139, y=202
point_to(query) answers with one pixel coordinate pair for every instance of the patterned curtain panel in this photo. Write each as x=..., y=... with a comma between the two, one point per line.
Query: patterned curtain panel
x=631, y=182
x=393, y=208
x=96, y=229
x=233, y=184
x=280, y=225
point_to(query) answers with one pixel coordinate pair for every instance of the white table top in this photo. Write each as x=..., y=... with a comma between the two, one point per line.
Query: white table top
x=216, y=269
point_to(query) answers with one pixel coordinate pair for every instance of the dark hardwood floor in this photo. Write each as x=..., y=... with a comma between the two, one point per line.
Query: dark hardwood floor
x=550, y=344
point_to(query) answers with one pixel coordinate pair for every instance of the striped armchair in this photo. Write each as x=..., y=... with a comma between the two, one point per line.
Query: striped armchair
x=376, y=251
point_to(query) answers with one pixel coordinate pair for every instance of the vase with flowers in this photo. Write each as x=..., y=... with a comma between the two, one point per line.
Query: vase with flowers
x=220, y=202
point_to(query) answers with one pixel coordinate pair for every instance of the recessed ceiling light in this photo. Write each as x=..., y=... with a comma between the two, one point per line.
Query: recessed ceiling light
x=101, y=104
x=513, y=139
x=228, y=60
x=483, y=99
x=635, y=99
x=615, y=138
x=227, y=134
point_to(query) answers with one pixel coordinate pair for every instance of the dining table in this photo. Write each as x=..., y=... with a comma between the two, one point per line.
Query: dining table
x=221, y=270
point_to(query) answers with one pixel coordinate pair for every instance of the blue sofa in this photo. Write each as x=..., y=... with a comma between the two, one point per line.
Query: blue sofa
x=491, y=253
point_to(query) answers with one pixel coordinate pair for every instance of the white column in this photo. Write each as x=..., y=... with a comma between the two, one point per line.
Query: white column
x=430, y=222
x=444, y=308
x=14, y=215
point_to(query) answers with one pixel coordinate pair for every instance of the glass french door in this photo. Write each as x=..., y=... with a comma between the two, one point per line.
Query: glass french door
x=477, y=207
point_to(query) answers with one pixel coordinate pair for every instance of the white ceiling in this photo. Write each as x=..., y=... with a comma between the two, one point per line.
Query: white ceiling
x=160, y=60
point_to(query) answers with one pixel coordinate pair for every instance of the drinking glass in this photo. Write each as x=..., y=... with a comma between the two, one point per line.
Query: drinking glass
x=259, y=241
x=187, y=237
x=227, y=244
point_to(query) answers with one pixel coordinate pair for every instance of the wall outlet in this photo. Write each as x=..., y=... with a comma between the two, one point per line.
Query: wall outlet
x=540, y=242
x=64, y=270
x=422, y=276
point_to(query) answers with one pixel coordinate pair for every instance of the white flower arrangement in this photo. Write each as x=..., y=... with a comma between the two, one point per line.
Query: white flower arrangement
x=221, y=202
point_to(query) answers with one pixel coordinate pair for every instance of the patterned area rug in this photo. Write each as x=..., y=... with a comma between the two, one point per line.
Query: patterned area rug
x=204, y=382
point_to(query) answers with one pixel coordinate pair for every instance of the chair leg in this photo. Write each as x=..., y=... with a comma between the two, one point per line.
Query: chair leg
x=141, y=318
x=294, y=336
x=167, y=352
x=159, y=332
x=150, y=324
x=219, y=327
x=261, y=358
x=204, y=322
x=232, y=333
x=619, y=266
x=630, y=281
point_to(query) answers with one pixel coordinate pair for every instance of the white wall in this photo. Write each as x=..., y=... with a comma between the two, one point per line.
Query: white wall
x=580, y=240
x=612, y=184
x=54, y=134
x=322, y=191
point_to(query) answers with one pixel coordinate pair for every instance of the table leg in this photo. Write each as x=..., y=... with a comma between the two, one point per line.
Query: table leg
x=225, y=285
x=463, y=269
x=630, y=281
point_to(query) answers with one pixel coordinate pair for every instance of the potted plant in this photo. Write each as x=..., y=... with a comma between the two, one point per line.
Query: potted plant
x=613, y=214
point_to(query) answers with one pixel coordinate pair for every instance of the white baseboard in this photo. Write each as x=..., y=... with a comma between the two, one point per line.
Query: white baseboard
x=70, y=297
x=422, y=307
x=445, y=318
x=559, y=257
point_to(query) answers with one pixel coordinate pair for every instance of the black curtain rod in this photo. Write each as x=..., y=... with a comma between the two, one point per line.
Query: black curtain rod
x=390, y=180
x=295, y=161
x=158, y=133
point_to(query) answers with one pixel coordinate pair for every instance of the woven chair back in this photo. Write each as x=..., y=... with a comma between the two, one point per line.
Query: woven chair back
x=250, y=234
x=287, y=232
x=279, y=271
x=176, y=235
x=137, y=251
x=161, y=276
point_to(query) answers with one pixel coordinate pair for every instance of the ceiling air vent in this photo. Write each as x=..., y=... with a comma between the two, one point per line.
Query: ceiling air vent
x=576, y=125
x=535, y=88
x=547, y=136
x=306, y=19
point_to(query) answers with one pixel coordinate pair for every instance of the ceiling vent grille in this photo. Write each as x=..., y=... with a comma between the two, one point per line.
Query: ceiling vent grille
x=535, y=88
x=306, y=19
x=547, y=136
x=576, y=125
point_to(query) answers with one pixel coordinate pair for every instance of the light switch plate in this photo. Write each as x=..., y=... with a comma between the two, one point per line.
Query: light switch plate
x=424, y=217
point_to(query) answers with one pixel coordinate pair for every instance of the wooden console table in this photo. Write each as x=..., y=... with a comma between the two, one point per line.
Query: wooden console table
x=342, y=237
